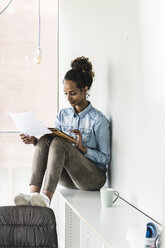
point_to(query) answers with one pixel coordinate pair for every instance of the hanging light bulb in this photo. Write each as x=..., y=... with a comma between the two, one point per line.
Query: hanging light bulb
x=38, y=58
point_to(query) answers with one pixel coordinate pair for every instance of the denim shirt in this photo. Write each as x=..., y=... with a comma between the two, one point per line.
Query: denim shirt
x=95, y=131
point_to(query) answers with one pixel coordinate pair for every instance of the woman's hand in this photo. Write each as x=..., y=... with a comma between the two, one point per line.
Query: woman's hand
x=79, y=140
x=28, y=139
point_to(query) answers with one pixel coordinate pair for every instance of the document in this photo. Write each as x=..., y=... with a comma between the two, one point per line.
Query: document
x=27, y=123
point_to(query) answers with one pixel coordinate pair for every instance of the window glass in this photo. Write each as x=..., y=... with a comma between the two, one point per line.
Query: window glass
x=24, y=85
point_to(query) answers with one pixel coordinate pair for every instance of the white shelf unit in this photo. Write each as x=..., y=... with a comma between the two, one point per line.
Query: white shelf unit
x=83, y=223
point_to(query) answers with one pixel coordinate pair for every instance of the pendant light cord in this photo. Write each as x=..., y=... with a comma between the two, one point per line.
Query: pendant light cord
x=6, y=7
x=39, y=24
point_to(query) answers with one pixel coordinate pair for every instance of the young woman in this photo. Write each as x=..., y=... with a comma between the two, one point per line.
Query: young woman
x=81, y=166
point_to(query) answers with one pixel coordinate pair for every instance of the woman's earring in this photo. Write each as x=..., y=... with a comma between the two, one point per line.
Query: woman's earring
x=87, y=94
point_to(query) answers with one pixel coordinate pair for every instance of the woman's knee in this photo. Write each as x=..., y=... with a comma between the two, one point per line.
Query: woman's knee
x=45, y=140
x=58, y=141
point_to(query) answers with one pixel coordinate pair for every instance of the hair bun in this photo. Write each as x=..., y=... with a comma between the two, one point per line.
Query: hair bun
x=82, y=64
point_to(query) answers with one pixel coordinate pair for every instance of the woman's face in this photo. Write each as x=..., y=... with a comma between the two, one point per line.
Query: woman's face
x=74, y=95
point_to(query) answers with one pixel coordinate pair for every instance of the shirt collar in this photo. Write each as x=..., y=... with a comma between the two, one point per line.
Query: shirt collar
x=84, y=112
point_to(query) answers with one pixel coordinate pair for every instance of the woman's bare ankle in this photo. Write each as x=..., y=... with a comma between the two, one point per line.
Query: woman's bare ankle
x=48, y=193
x=34, y=188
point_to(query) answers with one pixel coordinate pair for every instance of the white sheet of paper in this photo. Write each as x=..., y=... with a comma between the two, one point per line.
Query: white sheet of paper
x=27, y=123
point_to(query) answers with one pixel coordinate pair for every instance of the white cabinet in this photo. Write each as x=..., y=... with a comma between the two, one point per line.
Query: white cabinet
x=72, y=230
x=83, y=223
x=58, y=205
x=88, y=238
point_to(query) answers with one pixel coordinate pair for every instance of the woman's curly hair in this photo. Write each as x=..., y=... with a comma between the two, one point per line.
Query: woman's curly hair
x=81, y=72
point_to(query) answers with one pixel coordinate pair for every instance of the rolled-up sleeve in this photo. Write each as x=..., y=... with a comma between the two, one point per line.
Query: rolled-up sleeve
x=101, y=154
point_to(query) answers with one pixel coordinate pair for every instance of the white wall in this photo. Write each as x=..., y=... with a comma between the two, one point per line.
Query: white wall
x=125, y=41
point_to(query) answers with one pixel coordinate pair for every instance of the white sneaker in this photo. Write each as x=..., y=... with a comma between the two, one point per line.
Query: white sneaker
x=22, y=200
x=40, y=200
